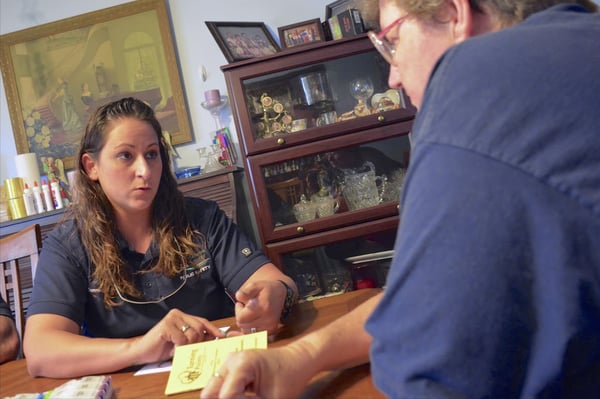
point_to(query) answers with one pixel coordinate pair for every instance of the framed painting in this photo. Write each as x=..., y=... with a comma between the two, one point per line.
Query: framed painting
x=55, y=75
x=301, y=33
x=242, y=40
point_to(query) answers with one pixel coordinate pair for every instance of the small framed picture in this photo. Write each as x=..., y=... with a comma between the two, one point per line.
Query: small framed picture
x=242, y=40
x=305, y=32
x=338, y=7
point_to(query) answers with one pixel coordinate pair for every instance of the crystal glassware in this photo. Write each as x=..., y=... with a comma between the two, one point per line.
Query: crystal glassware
x=361, y=89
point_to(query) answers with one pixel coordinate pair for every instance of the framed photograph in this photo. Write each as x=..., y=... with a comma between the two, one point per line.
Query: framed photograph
x=56, y=75
x=242, y=40
x=339, y=6
x=305, y=32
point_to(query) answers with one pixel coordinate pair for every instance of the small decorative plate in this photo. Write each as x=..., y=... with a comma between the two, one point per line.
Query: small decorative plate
x=386, y=101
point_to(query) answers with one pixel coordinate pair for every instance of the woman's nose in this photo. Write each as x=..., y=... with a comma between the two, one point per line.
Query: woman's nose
x=142, y=168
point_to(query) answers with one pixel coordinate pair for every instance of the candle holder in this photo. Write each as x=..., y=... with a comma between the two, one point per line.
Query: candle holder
x=215, y=109
x=209, y=158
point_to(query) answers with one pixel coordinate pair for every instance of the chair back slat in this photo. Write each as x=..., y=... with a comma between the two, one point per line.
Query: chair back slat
x=19, y=254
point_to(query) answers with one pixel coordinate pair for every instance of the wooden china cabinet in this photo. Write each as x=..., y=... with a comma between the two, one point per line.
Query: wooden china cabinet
x=325, y=145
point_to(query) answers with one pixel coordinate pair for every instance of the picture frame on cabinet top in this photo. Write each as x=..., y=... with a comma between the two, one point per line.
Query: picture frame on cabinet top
x=301, y=33
x=242, y=40
x=337, y=7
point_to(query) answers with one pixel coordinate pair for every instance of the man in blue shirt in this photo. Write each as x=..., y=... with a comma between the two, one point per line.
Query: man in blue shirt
x=494, y=291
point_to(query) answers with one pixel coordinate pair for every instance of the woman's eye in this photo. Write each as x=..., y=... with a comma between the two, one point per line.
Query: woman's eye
x=124, y=155
x=152, y=155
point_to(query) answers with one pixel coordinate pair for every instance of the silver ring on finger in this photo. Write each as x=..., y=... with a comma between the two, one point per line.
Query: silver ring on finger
x=184, y=328
x=252, y=330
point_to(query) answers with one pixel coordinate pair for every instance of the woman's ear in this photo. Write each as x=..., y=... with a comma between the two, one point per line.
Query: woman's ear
x=89, y=166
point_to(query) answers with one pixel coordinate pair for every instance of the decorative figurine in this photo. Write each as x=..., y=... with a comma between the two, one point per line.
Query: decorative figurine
x=275, y=118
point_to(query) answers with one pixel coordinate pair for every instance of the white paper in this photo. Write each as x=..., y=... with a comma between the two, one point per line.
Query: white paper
x=158, y=367
x=372, y=257
x=165, y=365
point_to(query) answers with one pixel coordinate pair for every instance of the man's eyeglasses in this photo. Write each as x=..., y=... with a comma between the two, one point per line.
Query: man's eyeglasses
x=382, y=44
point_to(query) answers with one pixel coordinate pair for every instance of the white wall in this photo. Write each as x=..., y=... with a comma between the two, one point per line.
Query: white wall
x=195, y=47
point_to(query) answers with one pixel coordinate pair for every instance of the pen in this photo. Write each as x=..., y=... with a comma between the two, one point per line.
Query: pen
x=231, y=296
x=252, y=303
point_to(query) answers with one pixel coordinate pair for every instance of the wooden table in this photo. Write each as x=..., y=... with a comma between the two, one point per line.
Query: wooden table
x=308, y=316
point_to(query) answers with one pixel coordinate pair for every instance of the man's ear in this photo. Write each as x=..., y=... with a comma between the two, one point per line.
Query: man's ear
x=462, y=19
x=89, y=166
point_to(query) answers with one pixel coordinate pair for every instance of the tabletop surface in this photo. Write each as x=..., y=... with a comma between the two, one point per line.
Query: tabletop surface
x=307, y=316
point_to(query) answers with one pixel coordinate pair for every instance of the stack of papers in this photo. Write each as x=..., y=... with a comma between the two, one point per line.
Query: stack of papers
x=195, y=364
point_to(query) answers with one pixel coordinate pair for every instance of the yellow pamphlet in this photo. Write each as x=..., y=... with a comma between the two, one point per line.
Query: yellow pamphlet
x=195, y=364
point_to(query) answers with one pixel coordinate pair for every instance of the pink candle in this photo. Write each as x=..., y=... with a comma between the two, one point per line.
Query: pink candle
x=213, y=97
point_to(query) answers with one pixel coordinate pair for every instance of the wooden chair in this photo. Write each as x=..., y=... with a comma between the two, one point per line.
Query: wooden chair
x=288, y=190
x=19, y=254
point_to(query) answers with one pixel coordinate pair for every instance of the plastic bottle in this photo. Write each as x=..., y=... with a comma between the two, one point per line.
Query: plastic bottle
x=58, y=202
x=29, y=201
x=37, y=198
x=48, y=202
x=65, y=198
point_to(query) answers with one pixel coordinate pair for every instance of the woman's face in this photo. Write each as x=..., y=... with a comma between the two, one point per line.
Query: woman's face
x=128, y=167
x=418, y=44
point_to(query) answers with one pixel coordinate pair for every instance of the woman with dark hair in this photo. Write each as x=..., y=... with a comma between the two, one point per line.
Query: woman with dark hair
x=136, y=269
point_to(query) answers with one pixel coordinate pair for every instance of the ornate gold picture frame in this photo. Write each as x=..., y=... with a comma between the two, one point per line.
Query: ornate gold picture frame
x=55, y=75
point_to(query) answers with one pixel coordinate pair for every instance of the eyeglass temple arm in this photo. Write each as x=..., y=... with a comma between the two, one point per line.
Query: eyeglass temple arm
x=388, y=28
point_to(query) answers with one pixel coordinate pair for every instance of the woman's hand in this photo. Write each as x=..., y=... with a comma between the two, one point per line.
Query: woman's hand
x=259, y=305
x=176, y=328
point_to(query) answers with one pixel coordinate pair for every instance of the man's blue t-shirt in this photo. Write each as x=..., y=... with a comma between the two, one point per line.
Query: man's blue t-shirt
x=494, y=290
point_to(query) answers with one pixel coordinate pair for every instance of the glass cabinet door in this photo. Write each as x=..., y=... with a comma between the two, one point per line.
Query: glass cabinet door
x=326, y=90
x=332, y=183
x=324, y=265
x=318, y=95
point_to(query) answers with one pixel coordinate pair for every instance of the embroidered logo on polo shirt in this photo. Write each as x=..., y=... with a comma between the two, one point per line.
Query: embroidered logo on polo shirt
x=198, y=265
x=246, y=252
